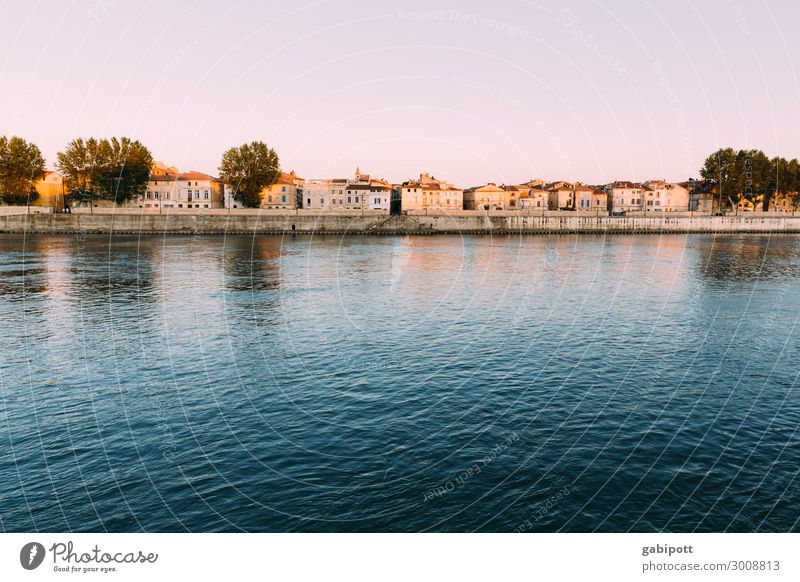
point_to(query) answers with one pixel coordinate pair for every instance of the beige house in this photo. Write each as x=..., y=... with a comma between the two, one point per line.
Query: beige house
x=361, y=192
x=624, y=196
x=318, y=194
x=536, y=198
x=168, y=188
x=561, y=196
x=51, y=191
x=284, y=193
x=489, y=197
x=661, y=196
x=428, y=193
x=599, y=200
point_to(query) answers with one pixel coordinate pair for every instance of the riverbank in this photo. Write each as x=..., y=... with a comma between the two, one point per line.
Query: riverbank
x=464, y=222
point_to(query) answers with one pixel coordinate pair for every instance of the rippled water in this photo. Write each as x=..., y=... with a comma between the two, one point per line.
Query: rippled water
x=399, y=384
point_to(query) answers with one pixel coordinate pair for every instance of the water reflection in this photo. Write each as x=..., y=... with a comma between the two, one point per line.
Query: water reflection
x=748, y=259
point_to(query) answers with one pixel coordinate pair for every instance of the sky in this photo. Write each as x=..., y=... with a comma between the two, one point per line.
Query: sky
x=471, y=92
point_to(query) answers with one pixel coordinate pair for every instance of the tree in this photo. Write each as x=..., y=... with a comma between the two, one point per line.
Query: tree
x=115, y=169
x=247, y=169
x=719, y=174
x=792, y=181
x=80, y=165
x=125, y=171
x=754, y=176
x=21, y=165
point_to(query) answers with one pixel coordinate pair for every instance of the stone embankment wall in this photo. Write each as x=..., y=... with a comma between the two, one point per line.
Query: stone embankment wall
x=462, y=222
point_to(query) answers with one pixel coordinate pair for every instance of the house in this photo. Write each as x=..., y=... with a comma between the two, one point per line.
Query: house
x=560, y=196
x=51, y=190
x=168, y=188
x=361, y=192
x=318, y=194
x=535, y=198
x=428, y=193
x=380, y=195
x=599, y=199
x=488, y=197
x=624, y=196
x=582, y=197
x=661, y=196
x=284, y=193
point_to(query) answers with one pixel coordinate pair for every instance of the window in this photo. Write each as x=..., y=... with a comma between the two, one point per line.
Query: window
x=356, y=199
x=283, y=189
x=309, y=201
x=349, y=200
x=205, y=194
x=283, y=199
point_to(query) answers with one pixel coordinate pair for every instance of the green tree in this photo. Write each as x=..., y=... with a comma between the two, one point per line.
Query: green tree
x=21, y=165
x=719, y=174
x=125, y=171
x=115, y=169
x=792, y=180
x=247, y=169
x=80, y=165
x=754, y=175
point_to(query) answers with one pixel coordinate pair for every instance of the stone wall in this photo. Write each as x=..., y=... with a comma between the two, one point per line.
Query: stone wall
x=221, y=222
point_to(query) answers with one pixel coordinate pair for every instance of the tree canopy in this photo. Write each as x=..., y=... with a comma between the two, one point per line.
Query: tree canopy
x=247, y=170
x=21, y=165
x=750, y=175
x=115, y=169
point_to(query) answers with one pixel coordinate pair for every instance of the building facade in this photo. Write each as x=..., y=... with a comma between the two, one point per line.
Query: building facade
x=661, y=196
x=284, y=193
x=168, y=189
x=52, y=191
x=624, y=196
x=488, y=197
x=430, y=194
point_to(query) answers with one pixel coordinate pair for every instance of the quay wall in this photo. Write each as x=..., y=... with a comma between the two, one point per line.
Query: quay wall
x=464, y=222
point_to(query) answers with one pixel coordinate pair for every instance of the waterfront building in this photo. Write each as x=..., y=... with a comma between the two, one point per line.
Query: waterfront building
x=428, y=193
x=599, y=199
x=661, y=196
x=318, y=194
x=168, y=188
x=361, y=192
x=624, y=196
x=284, y=193
x=51, y=190
x=560, y=196
x=488, y=197
x=536, y=198
x=380, y=195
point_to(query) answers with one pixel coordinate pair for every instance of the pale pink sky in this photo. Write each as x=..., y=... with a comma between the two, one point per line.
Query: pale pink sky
x=469, y=91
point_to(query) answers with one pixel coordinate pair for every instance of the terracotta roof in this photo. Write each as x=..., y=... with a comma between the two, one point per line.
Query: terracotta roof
x=625, y=184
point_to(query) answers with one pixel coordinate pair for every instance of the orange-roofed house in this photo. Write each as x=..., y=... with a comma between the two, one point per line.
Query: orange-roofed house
x=169, y=189
x=428, y=193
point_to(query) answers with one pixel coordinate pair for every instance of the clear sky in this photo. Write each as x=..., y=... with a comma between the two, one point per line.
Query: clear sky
x=472, y=92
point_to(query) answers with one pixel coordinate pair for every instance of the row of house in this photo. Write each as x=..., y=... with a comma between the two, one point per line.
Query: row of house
x=170, y=188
